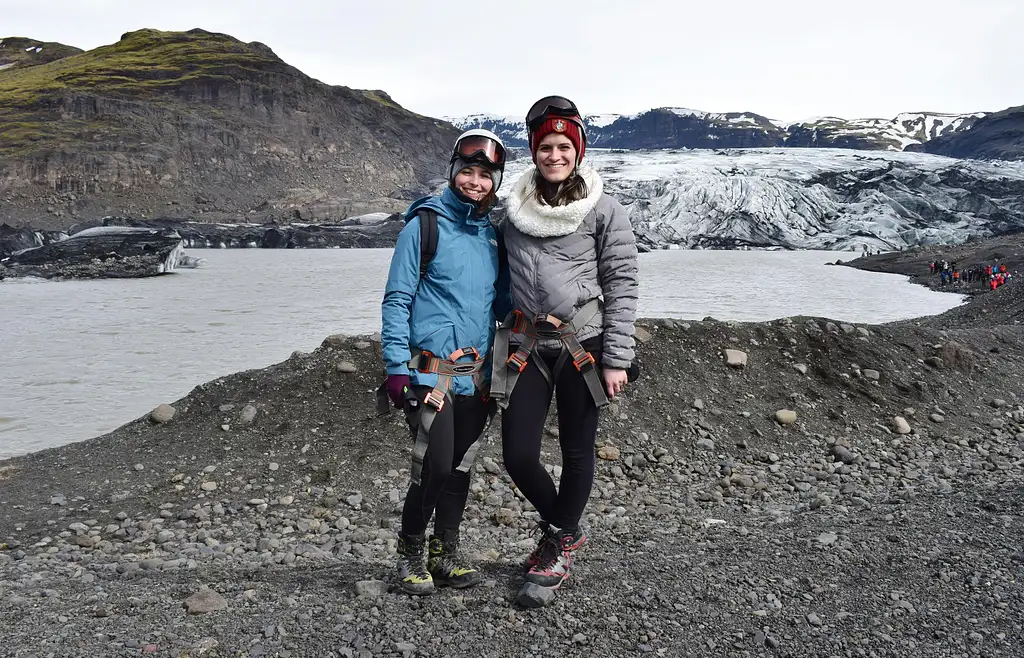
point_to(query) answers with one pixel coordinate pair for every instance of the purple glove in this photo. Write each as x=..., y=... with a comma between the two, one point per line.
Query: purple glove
x=396, y=389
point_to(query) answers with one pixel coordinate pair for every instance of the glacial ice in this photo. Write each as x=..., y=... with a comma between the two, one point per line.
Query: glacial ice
x=171, y=262
x=836, y=199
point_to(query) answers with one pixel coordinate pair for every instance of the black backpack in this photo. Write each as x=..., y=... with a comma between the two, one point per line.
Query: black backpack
x=428, y=241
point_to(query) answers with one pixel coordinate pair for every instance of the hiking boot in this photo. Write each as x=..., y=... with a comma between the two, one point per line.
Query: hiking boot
x=578, y=539
x=554, y=557
x=413, y=576
x=445, y=564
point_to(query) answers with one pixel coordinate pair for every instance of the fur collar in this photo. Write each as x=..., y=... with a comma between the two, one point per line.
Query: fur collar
x=544, y=221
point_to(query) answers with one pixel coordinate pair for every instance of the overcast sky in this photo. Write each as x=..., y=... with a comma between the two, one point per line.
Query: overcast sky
x=786, y=59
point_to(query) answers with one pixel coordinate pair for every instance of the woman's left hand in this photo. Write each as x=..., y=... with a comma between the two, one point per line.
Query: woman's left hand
x=614, y=381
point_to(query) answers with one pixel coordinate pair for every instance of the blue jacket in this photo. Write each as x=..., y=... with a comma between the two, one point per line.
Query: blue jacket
x=455, y=304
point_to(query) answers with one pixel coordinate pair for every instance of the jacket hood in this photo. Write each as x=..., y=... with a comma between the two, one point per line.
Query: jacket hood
x=543, y=221
x=451, y=206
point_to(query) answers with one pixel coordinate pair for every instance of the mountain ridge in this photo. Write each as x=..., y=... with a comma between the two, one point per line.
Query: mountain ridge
x=676, y=127
x=998, y=136
x=23, y=52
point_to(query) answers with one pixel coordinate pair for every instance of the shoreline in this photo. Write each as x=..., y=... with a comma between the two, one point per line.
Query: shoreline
x=886, y=518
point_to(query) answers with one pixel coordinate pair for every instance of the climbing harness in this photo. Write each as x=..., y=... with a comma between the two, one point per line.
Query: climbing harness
x=445, y=369
x=507, y=368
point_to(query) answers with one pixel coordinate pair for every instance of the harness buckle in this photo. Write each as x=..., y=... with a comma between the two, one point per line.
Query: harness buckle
x=517, y=362
x=584, y=360
x=435, y=399
x=464, y=351
x=427, y=362
x=519, y=322
x=547, y=318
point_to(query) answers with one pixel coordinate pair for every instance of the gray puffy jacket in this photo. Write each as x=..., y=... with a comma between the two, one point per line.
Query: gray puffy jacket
x=562, y=257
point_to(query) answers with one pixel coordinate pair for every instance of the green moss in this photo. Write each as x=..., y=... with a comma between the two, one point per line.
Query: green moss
x=148, y=65
x=142, y=63
x=15, y=133
x=378, y=97
x=20, y=137
x=21, y=51
x=160, y=70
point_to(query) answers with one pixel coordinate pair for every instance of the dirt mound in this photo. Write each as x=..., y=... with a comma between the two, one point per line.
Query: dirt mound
x=849, y=488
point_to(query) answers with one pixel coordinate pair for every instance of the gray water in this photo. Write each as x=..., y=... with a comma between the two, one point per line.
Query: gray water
x=80, y=358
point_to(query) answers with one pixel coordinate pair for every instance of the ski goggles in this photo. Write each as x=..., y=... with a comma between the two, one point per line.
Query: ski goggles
x=479, y=147
x=551, y=106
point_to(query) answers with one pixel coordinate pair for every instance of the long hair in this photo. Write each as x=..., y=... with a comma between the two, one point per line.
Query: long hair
x=573, y=188
x=484, y=205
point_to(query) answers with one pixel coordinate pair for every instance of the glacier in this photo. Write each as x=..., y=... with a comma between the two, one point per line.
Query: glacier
x=798, y=198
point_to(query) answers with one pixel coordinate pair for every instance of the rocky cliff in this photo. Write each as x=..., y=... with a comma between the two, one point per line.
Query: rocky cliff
x=197, y=123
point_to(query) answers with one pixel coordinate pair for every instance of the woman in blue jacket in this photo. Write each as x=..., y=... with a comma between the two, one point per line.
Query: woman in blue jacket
x=437, y=328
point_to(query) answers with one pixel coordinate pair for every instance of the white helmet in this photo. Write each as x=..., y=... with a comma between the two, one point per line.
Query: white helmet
x=478, y=147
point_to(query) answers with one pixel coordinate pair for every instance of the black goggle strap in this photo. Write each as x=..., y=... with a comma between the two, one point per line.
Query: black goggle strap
x=556, y=105
x=478, y=158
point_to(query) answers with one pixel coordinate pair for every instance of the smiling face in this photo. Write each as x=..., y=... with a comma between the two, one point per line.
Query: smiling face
x=474, y=182
x=556, y=157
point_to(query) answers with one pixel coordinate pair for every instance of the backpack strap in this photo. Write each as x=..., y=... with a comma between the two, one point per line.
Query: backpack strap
x=428, y=238
x=502, y=252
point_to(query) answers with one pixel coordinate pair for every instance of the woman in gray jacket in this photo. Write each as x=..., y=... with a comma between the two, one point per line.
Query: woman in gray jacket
x=573, y=264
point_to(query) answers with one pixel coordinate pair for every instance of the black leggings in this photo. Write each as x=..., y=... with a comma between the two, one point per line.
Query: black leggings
x=442, y=488
x=522, y=426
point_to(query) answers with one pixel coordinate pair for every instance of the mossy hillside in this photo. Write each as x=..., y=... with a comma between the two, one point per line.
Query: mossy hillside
x=147, y=64
x=163, y=118
x=161, y=69
x=22, y=52
x=142, y=63
x=151, y=63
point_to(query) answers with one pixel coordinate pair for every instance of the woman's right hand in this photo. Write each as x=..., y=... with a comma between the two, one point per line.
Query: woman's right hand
x=615, y=380
x=396, y=386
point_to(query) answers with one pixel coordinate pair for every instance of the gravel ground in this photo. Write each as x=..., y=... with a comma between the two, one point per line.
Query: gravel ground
x=838, y=490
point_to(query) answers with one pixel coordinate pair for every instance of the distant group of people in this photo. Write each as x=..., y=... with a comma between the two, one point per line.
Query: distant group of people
x=992, y=276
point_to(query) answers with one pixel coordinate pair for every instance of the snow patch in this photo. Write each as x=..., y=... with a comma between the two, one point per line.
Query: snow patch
x=899, y=132
x=505, y=127
x=7, y=66
x=687, y=112
x=601, y=120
